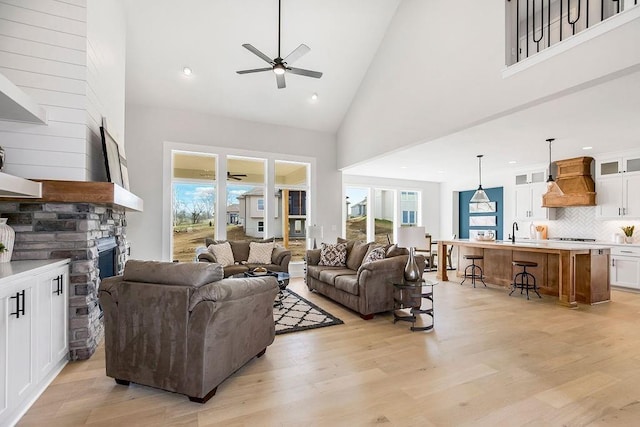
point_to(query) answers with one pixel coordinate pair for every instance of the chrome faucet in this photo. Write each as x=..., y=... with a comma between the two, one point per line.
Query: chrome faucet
x=514, y=228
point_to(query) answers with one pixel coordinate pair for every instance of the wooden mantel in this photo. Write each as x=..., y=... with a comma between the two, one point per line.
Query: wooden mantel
x=100, y=193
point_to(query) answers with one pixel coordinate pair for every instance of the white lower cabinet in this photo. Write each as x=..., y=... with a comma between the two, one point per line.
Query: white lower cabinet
x=625, y=267
x=52, y=342
x=33, y=332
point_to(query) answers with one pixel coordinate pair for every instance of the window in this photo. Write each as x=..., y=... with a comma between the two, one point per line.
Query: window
x=245, y=197
x=408, y=196
x=292, y=185
x=408, y=217
x=384, y=218
x=193, y=195
x=197, y=184
x=356, y=216
x=378, y=218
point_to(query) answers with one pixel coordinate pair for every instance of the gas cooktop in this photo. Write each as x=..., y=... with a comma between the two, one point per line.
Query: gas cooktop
x=572, y=239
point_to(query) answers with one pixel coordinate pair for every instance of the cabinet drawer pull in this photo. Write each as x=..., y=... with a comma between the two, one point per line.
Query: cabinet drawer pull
x=59, y=285
x=626, y=252
x=19, y=306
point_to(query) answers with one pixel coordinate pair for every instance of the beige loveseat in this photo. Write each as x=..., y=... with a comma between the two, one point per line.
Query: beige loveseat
x=280, y=257
x=181, y=327
x=366, y=288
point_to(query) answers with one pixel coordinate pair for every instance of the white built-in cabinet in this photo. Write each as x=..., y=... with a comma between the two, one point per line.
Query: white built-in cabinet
x=617, y=187
x=625, y=267
x=33, y=331
x=529, y=189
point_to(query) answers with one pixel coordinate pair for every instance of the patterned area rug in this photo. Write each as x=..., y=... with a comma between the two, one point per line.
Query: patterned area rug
x=297, y=314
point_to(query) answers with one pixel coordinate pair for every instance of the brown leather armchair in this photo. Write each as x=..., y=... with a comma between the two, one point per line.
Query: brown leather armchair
x=181, y=327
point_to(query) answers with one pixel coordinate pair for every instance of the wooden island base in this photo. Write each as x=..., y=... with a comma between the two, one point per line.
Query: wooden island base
x=573, y=272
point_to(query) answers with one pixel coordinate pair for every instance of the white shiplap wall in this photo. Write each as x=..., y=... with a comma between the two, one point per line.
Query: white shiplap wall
x=106, y=51
x=69, y=56
x=43, y=51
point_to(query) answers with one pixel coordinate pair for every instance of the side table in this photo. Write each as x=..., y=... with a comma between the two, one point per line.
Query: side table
x=412, y=296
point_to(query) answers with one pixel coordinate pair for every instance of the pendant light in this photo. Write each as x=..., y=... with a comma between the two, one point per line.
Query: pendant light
x=552, y=187
x=480, y=196
x=550, y=179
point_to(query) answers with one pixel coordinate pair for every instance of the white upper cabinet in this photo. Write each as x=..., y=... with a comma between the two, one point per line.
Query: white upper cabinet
x=613, y=166
x=617, y=187
x=528, y=197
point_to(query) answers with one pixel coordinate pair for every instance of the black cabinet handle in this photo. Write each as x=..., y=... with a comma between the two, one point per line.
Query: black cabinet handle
x=59, y=285
x=19, y=307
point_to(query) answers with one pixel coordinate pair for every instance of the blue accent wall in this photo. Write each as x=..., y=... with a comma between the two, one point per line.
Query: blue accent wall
x=495, y=195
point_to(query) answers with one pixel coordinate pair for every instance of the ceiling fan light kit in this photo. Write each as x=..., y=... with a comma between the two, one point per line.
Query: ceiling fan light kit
x=279, y=65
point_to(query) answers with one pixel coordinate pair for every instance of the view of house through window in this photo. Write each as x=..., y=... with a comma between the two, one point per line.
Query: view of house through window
x=384, y=211
x=192, y=203
x=292, y=184
x=245, y=213
x=391, y=209
x=245, y=195
x=409, y=207
x=356, y=208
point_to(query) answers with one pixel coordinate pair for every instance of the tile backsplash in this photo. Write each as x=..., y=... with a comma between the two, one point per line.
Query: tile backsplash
x=582, y=222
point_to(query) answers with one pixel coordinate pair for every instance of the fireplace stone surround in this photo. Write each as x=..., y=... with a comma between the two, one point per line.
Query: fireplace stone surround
x=67, y=221
x=71, y=230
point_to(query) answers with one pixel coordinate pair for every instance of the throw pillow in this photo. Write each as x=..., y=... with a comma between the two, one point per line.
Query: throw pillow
x=374, y=255
x=333, y=255
x=223, y=253
x=260, y=253
x=356, y=255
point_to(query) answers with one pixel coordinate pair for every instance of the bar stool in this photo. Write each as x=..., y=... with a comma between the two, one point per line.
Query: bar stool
x=524, y=277
x=476, y=270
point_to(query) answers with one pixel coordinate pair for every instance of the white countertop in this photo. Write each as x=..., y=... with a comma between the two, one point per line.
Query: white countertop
x=16, y=269
x=540, y=244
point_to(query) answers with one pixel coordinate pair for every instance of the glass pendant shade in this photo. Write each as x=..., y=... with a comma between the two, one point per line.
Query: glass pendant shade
x=480, y=196
x=552, y=186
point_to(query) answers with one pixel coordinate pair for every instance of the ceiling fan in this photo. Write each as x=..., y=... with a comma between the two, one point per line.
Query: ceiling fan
x=236, y=176
x=278, y=65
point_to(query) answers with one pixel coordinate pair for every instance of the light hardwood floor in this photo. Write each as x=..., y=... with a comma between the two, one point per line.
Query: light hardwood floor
x=492, y=360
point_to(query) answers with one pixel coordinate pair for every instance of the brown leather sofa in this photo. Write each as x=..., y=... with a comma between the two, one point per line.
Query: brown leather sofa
x=280, y=258
x=183, y=328
x=365, y=288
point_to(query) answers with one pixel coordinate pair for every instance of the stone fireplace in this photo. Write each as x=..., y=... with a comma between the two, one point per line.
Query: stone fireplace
x=75, y=230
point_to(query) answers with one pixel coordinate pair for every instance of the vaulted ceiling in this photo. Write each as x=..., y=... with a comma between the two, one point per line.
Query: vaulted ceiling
x=344, y=36
x=165, y=36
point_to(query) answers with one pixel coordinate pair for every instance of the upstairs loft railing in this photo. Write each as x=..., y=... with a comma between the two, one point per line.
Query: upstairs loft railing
x=534, y=25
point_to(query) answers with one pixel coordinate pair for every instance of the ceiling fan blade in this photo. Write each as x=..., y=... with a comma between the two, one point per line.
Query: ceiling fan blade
x=297, y=53
x=280, y=81
x=303, y=72
x=255, y=70
x=258, y=53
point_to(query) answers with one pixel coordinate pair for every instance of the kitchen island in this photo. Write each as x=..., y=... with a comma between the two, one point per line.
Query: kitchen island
x=574, y=272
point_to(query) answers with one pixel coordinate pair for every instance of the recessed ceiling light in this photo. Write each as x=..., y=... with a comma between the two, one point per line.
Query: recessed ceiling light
x=440, y=171
x=187, y=71
x=314, y=97
x=512, y=162
x=587, y=148
x=403, y=167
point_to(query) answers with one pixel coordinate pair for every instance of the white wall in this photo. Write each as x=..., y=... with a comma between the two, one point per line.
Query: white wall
x=451, y=79
x=106, y=53
x=43, y=52
x=430, y=202
x=148, y=129
x=69, y=57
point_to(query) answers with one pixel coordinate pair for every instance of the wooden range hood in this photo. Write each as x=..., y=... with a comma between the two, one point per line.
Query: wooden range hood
x=575, y=185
